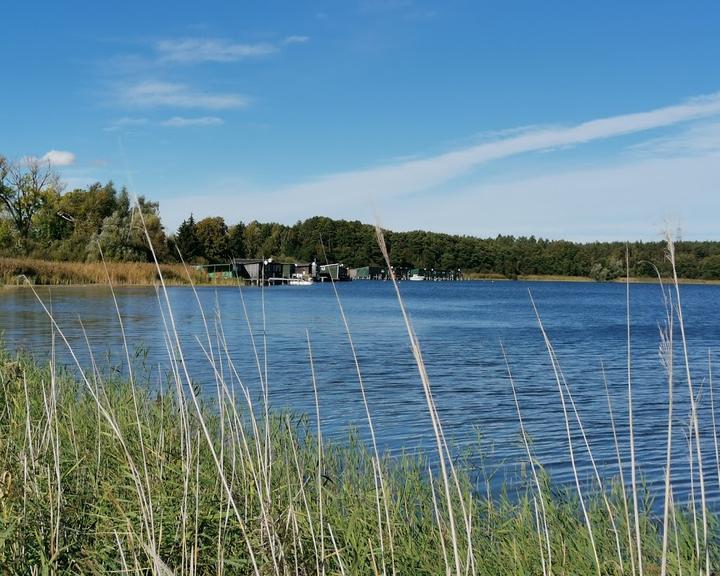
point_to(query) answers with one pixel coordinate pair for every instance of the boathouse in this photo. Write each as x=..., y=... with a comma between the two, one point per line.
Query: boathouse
x=336, y=272
x=368, y=273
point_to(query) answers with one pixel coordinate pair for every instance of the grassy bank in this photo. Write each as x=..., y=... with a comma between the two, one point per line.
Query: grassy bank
x=100, y=476
x=45, y=272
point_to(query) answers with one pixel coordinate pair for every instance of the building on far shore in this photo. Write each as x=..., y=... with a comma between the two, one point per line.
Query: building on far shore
x=336, y=272
x=258, y=270
x=368, y=273
x=266, y=271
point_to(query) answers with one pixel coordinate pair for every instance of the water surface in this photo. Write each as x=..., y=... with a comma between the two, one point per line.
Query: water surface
x=460, y=327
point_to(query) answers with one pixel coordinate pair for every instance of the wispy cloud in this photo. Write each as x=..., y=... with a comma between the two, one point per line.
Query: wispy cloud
x=181, y=122
x=124, y=123
x=194, y=50
x=695, y=139
x=59, y=158
x=167, y=94
x=296, y=40
x=426, y=173
x=623, y=196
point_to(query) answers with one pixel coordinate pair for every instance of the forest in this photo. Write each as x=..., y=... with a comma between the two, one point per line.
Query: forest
x=40, y=220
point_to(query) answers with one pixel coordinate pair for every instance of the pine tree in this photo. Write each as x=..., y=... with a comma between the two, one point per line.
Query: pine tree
x=187, y=241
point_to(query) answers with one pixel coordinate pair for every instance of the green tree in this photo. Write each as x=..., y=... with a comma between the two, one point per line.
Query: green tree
x=252, y=240
x=236, y=240
x=124, y=234
x=65, y=224
x=212, y=235
x=24, y=188
x=186, y=240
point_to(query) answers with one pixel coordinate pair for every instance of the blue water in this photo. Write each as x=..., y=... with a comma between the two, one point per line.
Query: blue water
x=460, y=327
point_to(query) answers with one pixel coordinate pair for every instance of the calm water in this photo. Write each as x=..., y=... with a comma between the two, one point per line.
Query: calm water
x=460, y=327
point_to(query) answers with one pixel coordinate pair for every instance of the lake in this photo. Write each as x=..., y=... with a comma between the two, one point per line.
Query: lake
x=460, y=327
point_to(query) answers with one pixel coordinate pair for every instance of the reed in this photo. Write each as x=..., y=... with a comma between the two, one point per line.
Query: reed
x=122, y=479
x=13, y=271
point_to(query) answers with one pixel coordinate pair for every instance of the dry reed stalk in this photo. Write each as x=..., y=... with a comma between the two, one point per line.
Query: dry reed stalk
x=134, y=395
x=623, y=489
x=693, y=507
x=201, y=421
x=379, y=481
x=693, y=404
x=598, y=479
x=675, y=528
x=441, y=445
x=633, y=467
x=320, y=453
x=712, y=414
x=337, y=552
x=107, y=415
x=540, y=539
x=559, y=380
x=438, y=520
x=531, y=460
x=667, y=358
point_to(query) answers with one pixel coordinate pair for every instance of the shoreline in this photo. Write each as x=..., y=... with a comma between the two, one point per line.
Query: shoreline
x=234, y=284
x=144, y=274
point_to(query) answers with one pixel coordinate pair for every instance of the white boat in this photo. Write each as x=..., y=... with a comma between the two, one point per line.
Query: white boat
x=300, y=280
x=416, y=278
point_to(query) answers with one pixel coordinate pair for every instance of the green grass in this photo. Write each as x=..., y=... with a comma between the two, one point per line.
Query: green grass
x=137, y=490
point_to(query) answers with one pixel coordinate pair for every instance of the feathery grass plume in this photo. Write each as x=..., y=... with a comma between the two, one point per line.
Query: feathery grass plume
x=382, y=527
x=670, y=255
x=442, y=449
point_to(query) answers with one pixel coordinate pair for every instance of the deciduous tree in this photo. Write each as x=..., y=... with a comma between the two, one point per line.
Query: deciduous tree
x=24, y=187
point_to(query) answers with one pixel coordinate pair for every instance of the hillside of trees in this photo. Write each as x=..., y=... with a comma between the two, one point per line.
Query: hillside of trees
x=41, y=220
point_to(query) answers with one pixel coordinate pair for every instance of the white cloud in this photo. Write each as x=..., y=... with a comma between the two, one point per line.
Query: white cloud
x=166, y=94
x=59, y=158
x=195, y=50
x=422, y=174
x=296, y=40
x=181, y=122
x=695, y=139
x=623, y=201
x=627, y=197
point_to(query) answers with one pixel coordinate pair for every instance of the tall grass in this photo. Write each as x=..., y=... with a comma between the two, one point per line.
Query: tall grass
x=122, y=480
x=142, y=475
x=13, y=271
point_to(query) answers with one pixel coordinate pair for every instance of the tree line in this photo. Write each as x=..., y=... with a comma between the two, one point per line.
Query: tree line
x=39, y=219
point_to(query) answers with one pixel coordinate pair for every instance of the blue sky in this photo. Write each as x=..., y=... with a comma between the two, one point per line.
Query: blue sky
x=579, y=120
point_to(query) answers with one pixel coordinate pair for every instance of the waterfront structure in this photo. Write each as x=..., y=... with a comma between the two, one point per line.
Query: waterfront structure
x=336, y=272
x=368, y=273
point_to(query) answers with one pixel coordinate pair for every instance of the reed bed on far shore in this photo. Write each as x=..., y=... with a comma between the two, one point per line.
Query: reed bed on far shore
x=45, y=272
